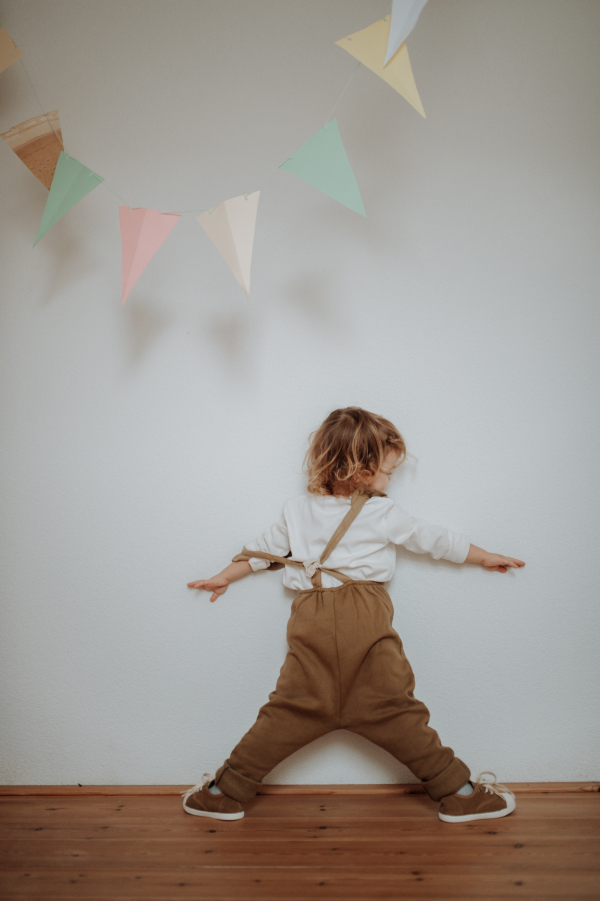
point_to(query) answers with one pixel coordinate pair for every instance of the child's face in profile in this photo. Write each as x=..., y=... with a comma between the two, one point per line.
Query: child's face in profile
x=381, y=480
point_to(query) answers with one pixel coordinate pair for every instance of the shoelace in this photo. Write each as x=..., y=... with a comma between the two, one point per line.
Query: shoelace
x=207, y=778
x=493, y=787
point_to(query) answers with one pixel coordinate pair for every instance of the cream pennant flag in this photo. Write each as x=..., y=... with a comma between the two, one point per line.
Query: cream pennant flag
x=230, y=226
x=369, y=45
x=38, y=143
x=9, y=52
x=142, y=233
x=404, y=18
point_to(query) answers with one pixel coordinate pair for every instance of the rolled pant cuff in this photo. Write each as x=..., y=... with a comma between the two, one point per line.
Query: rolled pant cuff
x=234, y=785
x=448, y=781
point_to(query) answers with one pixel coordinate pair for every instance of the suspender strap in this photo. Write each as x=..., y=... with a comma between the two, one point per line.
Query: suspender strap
x=358, y=500
x=278, y=562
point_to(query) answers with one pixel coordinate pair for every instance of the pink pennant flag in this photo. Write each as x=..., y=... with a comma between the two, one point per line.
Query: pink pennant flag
x=142, y=233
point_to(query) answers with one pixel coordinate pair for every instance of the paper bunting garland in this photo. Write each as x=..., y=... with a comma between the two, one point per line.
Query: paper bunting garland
x=404, y=18
x=38, y=143
x=369, y=46
x=142, y=233
x=9, y=52
x=230, y=226
x=322, y=162
x=72, y=181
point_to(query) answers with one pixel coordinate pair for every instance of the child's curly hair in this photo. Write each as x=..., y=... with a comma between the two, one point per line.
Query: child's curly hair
x=349, y=447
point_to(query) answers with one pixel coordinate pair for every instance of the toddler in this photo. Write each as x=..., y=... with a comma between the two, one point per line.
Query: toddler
x=346, y=667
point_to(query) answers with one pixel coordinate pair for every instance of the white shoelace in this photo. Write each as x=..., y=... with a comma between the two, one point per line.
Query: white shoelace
x=493, y=787
x=207, y=778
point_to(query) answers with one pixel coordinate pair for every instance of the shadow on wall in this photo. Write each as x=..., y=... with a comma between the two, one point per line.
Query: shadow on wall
x=145, y=323
x=341, y=750
x=66, y=251
x=146, y=318
x=234, y=337
x=309, y=294
x=312, y=296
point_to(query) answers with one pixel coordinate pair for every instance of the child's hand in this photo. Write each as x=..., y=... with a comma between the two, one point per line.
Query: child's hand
x=218, y=585
x=500, y=564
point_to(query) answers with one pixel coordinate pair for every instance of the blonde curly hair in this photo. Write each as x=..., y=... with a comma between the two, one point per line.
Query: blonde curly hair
x=349, y=448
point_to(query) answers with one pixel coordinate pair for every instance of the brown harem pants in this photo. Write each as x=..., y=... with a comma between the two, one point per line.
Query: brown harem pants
x=345, y=669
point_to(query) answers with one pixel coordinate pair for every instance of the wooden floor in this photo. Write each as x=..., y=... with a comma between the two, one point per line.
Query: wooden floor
x=351, y=847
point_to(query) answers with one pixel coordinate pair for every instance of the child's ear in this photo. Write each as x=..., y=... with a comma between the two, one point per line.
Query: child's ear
x=362, y=476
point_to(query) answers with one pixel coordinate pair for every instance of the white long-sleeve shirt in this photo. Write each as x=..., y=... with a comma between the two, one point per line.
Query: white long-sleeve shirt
x=366, y=551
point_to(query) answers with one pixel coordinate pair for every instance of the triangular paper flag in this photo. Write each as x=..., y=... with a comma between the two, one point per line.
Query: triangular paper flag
x=230, y=226
x=322, y=161
x=72, y=181
x=38, y=143
x=9, y=52
x=404, y=18
x=368, y=46
x=142, y=233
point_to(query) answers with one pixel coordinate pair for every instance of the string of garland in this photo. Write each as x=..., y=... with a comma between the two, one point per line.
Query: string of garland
x=321, y=161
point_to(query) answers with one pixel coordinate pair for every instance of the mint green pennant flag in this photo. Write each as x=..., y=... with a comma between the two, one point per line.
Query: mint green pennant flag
x=72, y=181
x=322, y=162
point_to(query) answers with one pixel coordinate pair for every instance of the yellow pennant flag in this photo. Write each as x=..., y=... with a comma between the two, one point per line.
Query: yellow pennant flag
x=369, y=47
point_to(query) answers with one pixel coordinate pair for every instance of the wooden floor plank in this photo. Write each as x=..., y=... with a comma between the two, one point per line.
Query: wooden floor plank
x=302, y=884
x=550, y=853
x=176, y=823
x=271, y=806
x=393, y=788
x=297, y=848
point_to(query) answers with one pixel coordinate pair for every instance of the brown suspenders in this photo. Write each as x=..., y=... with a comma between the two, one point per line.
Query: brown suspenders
x=358, y=500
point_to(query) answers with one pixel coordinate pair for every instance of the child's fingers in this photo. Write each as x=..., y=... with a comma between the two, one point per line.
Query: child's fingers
x=503, y=565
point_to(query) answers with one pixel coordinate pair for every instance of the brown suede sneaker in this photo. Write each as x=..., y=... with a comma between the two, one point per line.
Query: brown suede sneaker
x=488, y=799
x=201, y=803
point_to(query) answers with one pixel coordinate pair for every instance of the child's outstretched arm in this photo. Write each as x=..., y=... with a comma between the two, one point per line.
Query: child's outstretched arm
x=274, y=540
x=220, y=583
x=424, y=538
x=493, y=562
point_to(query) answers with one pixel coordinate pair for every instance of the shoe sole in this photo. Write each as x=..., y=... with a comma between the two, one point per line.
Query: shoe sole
x=213, y=814
x=491, y=815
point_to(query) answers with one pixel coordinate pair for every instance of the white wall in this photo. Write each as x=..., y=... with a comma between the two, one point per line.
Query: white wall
x=144, y=445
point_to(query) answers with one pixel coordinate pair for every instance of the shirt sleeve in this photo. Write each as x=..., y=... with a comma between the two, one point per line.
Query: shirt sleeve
x=422, y=537
x=274, y=541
